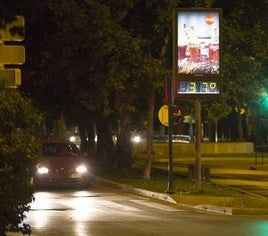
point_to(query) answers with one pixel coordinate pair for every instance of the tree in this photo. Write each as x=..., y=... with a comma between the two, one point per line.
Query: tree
x=113, y=58
x=243, y=55
x=73, y=72
x=151, y=21
x=19, y=150
x=95, y=69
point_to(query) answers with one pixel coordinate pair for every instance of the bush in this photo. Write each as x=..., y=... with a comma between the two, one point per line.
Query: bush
x=19, y=150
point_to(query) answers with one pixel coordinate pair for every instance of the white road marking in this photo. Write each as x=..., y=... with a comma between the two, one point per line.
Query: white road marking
x=156, y=205
x=118, y=206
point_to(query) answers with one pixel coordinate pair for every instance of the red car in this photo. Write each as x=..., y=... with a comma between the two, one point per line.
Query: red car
x=61, y=165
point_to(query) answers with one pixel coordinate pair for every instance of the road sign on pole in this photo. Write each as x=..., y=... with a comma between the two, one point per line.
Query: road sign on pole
x=163, y=115
x=11, y=76
x=12, y=54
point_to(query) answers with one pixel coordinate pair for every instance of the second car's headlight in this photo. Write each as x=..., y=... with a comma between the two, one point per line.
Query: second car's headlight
x=42, y=170
x=81, y=169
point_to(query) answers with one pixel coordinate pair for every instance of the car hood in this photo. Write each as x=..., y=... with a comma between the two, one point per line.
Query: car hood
x=61, y=161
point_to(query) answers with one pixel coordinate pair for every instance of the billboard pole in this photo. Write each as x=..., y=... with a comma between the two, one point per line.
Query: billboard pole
x=197, y=64
x=198, y=145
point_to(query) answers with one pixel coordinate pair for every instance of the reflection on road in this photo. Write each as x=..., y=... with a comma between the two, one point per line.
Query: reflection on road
x=111, y=212
x=40, y=216
x=79, y=204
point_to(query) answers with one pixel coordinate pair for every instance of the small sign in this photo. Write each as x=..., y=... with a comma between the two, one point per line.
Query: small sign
x=12, y=55
x=14, y=31
x=194, y=88
x=12, y=77
x=163, y=115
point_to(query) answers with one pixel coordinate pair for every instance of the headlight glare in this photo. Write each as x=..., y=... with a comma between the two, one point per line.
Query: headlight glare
x=136, y=139
x=81, y=169
x=42, y=170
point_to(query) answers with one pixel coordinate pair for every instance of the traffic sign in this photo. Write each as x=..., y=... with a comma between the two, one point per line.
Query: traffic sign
x=13, y=31
x=12, y=77
x=163, y=115
x=12, y=54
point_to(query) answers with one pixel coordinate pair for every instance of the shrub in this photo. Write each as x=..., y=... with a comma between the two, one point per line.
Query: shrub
x=19, y=150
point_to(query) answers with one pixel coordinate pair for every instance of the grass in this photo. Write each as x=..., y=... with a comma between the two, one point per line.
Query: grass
x=184, y=189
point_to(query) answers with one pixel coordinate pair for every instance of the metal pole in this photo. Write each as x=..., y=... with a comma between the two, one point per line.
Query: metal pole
x=170, y=143
x=198, y=145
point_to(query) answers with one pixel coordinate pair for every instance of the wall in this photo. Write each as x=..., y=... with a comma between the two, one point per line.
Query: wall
x=161, y=149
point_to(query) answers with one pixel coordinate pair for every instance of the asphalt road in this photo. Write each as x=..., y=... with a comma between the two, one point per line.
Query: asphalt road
x=102, y=211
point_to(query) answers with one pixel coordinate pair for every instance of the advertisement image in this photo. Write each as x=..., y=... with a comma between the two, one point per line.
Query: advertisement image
x=198, y=42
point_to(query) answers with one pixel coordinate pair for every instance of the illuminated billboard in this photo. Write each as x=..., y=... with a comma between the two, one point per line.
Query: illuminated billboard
x=197, y=42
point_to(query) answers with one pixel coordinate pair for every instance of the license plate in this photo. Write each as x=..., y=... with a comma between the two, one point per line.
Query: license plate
x=75, y=176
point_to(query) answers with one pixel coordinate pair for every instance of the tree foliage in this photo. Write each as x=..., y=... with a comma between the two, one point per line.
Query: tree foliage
x=19, y=150
x=114, y=54
x=244, y=40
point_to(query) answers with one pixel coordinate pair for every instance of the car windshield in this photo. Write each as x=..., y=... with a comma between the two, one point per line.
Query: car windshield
x=59, y=149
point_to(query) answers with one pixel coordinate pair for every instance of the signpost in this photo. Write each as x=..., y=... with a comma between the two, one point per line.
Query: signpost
x=170, y=188
x=197, y=63
x=165, y=117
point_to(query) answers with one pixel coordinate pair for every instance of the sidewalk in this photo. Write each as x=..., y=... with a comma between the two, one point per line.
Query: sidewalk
x=240, y=173
x=237, y=172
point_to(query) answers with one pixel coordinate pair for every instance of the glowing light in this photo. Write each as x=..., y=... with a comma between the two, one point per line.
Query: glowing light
x=72, y=139
x=42, y=170
x=39, y=215
x=81, y=169
x=136, y=139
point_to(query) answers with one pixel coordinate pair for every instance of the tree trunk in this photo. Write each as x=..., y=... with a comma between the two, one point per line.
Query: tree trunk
x=105, y=145
x=86, y=131
x=59, y=128
x=123, y=154
x=151, y=103
x=149, y=145
x=239, y=125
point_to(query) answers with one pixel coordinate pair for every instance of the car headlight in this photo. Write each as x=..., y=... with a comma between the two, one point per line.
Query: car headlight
x=136, y=139
x=81, y=169
x=42, y=170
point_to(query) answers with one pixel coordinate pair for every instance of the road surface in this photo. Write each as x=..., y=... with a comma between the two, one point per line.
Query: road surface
x=102, y=211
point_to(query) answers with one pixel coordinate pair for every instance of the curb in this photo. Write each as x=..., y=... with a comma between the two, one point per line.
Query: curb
x=138, y=191
x=215, y=209
x=168, y=198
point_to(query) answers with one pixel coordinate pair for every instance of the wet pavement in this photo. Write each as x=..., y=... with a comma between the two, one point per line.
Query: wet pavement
x=242, y=173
